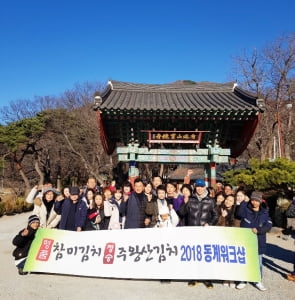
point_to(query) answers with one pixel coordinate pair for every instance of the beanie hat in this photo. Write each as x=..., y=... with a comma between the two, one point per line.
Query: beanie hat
x=256, y=196
x=74, y=190
x=32, y=219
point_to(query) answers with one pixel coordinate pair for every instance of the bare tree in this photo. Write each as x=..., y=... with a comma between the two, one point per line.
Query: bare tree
x=270, y=74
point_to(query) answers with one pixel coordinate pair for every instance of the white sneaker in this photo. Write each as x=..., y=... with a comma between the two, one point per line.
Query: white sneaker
x=260, y=286
x=241, y=285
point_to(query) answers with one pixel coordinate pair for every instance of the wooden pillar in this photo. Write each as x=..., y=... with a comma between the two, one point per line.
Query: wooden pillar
x=206, y=174
x=212, y=174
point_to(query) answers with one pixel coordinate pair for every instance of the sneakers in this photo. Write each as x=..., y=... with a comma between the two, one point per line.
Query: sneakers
x=241, y=285
x=226, y=283
x=208, y=284
x=291, y=277
x=230, y=284
x=192, y=283
x=260, y=286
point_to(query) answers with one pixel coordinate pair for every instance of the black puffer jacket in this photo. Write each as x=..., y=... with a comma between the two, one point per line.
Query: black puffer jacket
x=23, y=243
x=199, y=211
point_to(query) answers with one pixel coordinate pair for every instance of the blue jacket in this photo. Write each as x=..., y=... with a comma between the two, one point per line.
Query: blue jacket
x=259, y=220
x=63, y=208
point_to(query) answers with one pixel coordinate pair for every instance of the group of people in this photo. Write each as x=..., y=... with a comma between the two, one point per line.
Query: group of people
x=146, y=205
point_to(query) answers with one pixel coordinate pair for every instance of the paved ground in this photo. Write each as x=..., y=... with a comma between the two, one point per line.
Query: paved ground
x=42, y=286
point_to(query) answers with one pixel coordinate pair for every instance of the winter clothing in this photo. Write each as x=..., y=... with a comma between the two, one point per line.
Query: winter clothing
x=48, y=217
x=199, y=210
x=200, y=182
x=74, y=190
x=172, y=221
x=112, y=210
x=176, y=202
x=259, y=220
x=92, y=215
x=134, y=210
x=33, y=218
x=256, y=196
x=152, y=210
x=73, y=215
x=23, y=241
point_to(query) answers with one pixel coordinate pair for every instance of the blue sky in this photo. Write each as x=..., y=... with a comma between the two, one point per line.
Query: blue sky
x=49, y=45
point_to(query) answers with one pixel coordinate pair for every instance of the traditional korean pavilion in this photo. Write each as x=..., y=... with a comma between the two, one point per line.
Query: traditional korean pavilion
x=184, y=122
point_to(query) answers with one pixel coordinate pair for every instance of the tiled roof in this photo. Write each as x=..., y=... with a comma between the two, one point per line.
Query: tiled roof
x=175, y=97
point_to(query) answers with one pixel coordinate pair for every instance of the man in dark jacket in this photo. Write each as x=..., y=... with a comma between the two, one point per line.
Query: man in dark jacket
x=133, y=207
x=73, y=211
x=199, y=210
x=255, y=217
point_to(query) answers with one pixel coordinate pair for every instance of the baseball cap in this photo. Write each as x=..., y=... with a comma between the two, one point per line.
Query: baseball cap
x=200, y=182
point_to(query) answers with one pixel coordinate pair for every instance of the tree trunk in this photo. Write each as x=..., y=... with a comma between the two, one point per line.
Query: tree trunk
x=38, y=170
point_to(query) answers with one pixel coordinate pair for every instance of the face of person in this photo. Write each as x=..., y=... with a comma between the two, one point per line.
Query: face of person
x=240, y=197
x=200, y=190
x=161, y=194
x=91, y=183
x=118, y=195
x=228, y=190
x=89, y=194
x=49, y=196
x=67, y=192
x=229, y=201
x=186, y=192
x=107, y=194
x=35, y=225
x=74, y=198
x=138, y=187
x=255, y=204
x=157, y=181
x=219, y=199
x=98, y=200
x=126, y=189
x=170, y=189
x=148, y=188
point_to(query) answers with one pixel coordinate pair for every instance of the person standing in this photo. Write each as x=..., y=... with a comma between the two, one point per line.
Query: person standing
x=199, y=210
x=254, y=216
x=112, y=210
x=73, y=211
x=133, y=207
x=96, y=219
x=44, y=208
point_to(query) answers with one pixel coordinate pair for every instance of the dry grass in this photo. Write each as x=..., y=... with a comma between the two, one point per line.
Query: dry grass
x=10, y=203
